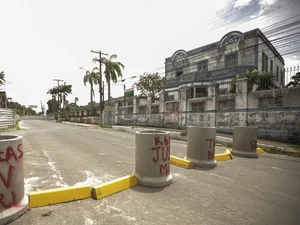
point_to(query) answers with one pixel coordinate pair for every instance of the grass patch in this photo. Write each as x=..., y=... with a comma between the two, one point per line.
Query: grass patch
x=106, y=126
x=10, y=128
x=183, y=133
x=275, y=150
x=295, y=147
x=228, y=145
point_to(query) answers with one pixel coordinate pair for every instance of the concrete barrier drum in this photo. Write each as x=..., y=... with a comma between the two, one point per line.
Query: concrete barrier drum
x=13, y=201
x=201, y=146
x=245, y=142
x=152, y=158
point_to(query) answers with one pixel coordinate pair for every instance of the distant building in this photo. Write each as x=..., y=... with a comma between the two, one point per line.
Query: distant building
x=3, y=99
x=236, y=53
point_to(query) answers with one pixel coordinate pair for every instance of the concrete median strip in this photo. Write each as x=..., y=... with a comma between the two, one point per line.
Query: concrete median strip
x=58, y=195
x=259, y=150
x=181, y=162
x=113, y=186
x=223, y=156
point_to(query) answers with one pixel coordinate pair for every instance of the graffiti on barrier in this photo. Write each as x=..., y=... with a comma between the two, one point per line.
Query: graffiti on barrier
x=162, y=154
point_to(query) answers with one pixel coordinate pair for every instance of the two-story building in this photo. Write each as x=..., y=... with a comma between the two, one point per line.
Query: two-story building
x=235, y=53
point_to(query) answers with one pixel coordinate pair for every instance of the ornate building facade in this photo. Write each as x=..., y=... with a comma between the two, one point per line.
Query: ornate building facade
x=235, y=53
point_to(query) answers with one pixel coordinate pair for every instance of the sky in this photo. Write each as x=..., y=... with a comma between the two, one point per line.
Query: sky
x=44, y=40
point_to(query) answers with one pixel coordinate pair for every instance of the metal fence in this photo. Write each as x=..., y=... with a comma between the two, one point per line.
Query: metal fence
x=7, y=118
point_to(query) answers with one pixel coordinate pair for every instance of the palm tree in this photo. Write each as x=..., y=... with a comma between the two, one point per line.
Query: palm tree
x=256, y=81
x=112, y=71
x=65, y=90
x=54, y=92
x=2, y=78
x=295, y=81
x=92, y=77
x=76, y=100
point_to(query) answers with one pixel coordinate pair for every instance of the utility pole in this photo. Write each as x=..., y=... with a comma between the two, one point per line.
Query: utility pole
x=42, y=108
x=59, y=97
x=101, y=90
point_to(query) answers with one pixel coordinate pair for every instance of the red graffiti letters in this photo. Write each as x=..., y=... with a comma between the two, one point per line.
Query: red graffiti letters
x=162, y=149
x=211, y=150
x=211, y=154
x=20, y=151
x=157, y=141
x=167, y=141
x=212, y=142
x=157, y=154
x=253, y=144
x=11, y=154
x=165, y=167
x=7, y=181
x=12, y=203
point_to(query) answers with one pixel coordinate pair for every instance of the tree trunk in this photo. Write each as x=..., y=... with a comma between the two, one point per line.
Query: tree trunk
x=108, y=91
x=91, y=95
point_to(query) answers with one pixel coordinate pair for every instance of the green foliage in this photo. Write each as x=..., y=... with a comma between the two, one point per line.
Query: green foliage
x=91, y=77
x=113, y=70
x=52, y=106
x=256, y=81
x=183, y=133
x=2, y=78
x=20, y=109
x=149, y=84
x=295, y=81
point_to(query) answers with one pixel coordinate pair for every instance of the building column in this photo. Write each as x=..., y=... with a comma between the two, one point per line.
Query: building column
x=241, y=102
x=211, y=103
x=183, y=107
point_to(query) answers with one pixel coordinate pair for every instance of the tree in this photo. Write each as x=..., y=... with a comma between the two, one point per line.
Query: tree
x=256, y=81
x=55, y=93
x=20, y=109
x=64, y=90
x=52, y=106
x=76, y=100
x=2, y=78
x=149, y=84
x=112, y=71
x=295, y=81
x=92, y=77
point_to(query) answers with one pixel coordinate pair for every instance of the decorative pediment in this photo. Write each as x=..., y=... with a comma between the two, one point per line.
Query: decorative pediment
x=179, y=59
x=231, y=37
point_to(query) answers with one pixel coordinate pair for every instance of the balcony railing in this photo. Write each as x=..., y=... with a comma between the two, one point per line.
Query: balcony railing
x=207, y=77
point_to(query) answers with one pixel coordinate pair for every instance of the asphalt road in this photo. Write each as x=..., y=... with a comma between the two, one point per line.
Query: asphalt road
x=239, y=191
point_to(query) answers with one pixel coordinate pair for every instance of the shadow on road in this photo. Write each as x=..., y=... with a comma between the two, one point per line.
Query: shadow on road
x=139, y=188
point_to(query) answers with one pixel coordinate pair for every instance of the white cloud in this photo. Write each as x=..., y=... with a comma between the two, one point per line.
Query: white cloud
x=241, y=3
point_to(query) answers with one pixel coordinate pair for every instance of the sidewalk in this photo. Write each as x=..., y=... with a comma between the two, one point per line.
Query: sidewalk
x=224, y=139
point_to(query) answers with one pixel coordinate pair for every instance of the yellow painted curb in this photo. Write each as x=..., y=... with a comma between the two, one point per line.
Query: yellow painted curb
x=58, y=195
x=259, y=150
x=223, y=156
x=113, y=186
x=181, y=162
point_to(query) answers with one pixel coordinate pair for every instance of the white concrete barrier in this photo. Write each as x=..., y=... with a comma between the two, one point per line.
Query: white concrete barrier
x=152, y=158
x=201, y=146
x=245, y=142
x=13, y=201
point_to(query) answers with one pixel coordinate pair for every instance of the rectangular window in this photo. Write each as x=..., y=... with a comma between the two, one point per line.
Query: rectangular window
x=271, y=66
x=277, y=73
x=179, y=73
x=171, y=97
x=264, y=67
x=231, y=60
x=203, y=66
x=201, y=92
